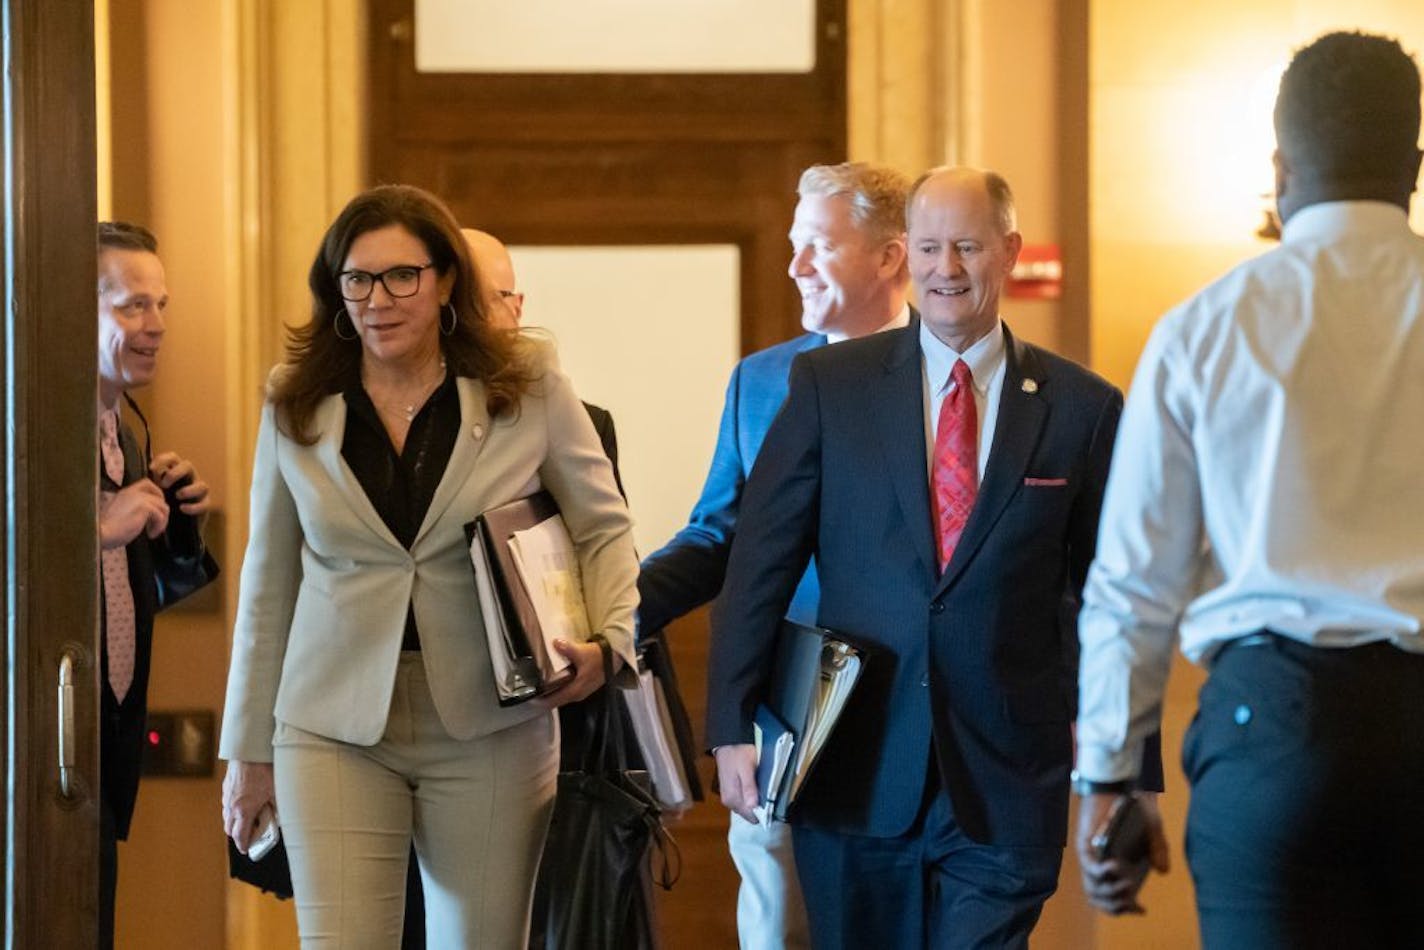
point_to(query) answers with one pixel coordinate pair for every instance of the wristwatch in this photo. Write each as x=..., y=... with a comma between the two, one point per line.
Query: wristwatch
x=1086, y=786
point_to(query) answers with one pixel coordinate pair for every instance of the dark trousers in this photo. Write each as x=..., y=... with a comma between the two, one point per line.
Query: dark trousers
x=931, y=887
x=413, y=927
x=1305, y=828
x=108, y=873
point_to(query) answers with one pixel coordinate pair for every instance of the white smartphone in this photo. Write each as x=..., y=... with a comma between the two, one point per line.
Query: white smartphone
x=267, y=837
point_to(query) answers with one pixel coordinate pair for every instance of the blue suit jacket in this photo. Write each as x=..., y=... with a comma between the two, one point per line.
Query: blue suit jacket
x=975, y=670
x=687, y=572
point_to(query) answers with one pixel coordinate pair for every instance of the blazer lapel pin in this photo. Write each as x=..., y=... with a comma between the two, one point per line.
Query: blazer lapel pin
x=1029, y=386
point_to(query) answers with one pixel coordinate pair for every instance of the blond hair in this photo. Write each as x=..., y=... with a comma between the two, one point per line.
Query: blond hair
x=877, y=194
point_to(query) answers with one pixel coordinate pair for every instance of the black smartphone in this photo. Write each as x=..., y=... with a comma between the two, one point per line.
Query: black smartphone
x=1123, y=835
x=182, y=537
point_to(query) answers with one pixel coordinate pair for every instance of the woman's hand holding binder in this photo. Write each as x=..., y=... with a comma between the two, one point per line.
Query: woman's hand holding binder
x=587, y=660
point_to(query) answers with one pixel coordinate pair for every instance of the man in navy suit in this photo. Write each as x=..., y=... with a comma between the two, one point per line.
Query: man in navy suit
x=937, y=814
x=848, y=261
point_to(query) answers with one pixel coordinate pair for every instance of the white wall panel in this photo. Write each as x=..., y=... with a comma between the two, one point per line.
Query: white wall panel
x=650, y=334
x=615, y=36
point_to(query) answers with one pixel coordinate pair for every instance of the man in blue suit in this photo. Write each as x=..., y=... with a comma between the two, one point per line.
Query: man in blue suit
x=848, y=260
x=946, y=478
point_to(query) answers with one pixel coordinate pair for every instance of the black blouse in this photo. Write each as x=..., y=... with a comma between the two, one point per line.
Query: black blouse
x=401, y=486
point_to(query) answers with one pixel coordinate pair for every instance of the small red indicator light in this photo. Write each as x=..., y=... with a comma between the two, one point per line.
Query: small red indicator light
x=153, y=737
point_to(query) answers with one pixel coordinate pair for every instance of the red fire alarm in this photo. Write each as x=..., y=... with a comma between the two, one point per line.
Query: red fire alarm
x=1038, y=275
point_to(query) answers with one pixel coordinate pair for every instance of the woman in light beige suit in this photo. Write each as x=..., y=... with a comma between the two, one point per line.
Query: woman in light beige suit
x=361, y=701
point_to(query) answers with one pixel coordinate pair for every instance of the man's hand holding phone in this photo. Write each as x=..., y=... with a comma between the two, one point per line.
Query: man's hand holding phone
x=1120, y=838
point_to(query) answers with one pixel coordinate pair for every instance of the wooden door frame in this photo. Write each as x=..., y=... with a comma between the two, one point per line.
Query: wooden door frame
x=648, y=130
x=50, y=402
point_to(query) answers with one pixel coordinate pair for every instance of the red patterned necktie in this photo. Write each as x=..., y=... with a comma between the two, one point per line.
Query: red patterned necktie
x=119, y=628
x=955, y=477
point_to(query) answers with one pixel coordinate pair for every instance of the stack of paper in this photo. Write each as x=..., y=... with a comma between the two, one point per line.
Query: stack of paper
x=774, y=745
x=530, y=594
x=647, y=708
x=814, y=674
x=840, y=668
x=549, y=569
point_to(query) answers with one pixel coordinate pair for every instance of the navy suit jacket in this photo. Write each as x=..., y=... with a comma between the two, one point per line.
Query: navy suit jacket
x=975, y=670
x=687, y=572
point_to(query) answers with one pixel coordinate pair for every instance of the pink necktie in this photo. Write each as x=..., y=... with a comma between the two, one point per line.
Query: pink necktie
x=119, y=628
x=955, y=477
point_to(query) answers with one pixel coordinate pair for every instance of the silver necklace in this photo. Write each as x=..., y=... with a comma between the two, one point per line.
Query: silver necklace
x=407, y=411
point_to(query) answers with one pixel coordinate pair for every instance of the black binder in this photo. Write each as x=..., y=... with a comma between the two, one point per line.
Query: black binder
x=522, y=664
x=815, y=673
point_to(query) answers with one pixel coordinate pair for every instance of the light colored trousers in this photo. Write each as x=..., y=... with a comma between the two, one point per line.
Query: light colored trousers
x=771, y=914
x=477, y=811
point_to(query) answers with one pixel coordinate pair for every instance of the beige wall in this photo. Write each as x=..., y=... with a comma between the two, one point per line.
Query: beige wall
x=976, y=82
x=1181, y=143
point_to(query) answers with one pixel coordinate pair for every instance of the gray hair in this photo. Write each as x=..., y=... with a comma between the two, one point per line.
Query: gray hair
x=1001, y=196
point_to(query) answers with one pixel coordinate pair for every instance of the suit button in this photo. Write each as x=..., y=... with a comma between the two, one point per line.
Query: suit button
x=925, y=680
x=937, y=607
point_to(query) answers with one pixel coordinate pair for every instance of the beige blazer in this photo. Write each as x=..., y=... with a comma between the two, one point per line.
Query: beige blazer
x=324, y=586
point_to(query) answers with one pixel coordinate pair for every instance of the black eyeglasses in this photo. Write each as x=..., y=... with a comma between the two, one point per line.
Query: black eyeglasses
x=400, y=281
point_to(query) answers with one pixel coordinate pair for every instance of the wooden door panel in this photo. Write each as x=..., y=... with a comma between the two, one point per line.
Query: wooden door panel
x=50, y=397
x=611, y=159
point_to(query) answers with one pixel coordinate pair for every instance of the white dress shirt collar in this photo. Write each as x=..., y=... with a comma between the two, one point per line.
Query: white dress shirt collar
x=986, y=364
x=1329, y=220
x=985, y=358
x=901, y=319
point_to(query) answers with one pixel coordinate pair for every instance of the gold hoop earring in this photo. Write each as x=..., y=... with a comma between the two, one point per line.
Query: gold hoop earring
x=336, y=326
x=454, y=320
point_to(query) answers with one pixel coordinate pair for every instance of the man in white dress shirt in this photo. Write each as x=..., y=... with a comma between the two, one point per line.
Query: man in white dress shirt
x=1266, y=508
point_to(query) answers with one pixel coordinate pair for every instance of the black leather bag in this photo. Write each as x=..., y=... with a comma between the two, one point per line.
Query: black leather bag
x=272, y=874
x=597, y=871
x=181, y=562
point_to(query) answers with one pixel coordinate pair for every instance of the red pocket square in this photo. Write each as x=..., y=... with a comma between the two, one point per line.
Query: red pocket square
x=1046, y=482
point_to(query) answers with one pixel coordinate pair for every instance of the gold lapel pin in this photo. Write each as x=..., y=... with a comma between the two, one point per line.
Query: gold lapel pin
x=1030, y=386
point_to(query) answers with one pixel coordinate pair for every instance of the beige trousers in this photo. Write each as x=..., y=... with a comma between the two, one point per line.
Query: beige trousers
x=477, y=811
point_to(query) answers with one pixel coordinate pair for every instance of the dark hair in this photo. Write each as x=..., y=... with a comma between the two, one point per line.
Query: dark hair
x=1348, y=110
x=122, y=236
x=319, y=362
